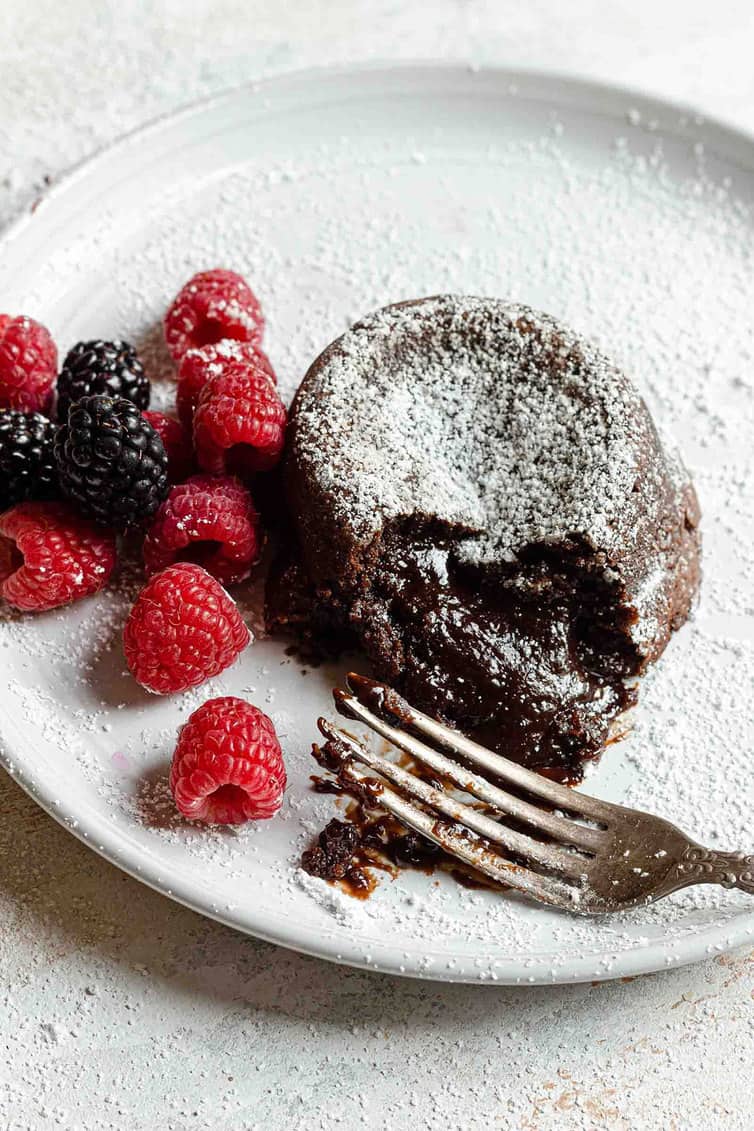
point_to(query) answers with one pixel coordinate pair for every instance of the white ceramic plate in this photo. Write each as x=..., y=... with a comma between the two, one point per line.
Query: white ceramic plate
x=336, y=193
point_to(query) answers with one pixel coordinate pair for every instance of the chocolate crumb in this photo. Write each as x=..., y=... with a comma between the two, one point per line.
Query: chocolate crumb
x=331, y=858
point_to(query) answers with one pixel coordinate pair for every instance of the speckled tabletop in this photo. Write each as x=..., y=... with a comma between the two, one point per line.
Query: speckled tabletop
x=120, y=1009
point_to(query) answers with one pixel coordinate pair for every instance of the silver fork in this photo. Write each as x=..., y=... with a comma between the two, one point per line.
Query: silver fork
x=586, y=856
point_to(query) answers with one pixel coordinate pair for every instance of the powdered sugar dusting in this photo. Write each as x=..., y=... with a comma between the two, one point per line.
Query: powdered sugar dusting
x=449, y=407
x=638, y=242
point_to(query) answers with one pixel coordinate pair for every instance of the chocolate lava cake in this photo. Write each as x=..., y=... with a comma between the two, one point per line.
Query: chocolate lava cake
x=481, y=502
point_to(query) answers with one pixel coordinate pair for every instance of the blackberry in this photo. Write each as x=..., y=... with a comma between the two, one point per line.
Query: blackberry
x=112, y=368
x=111, y=462
x=27, y=460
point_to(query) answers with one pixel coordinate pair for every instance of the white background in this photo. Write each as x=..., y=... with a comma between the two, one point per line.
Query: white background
x=120, y=1009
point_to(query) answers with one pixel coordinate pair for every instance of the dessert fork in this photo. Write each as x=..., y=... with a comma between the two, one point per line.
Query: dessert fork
x=578, y=853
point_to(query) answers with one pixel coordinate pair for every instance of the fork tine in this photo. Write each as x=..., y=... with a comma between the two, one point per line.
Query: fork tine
x=564, y=830
x=383, y=700
x=560, y=860
x=469, y=848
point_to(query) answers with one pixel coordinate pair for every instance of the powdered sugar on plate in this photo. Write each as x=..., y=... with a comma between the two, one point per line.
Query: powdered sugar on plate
x=641, y=242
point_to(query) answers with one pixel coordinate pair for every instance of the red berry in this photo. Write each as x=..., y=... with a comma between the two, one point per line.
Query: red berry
x=183, y=629
x=228, y=766
x=51, y=556
x=239, y=423
x=28, y=364
x=213, y=305
x=209, y=521
x=177, y=442
x=199, y=365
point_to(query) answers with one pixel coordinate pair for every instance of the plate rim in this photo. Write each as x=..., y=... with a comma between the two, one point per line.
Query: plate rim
x=731, y=133
x=103, y=837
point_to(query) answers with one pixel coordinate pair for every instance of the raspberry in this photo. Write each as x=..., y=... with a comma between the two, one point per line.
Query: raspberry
x=111, y=462
x=177, y=442
x=208, y=521
x=102, y=367
x=50, y=556
x=213, y=305
x=199, y=365
x=228, y=766
x=28, y=364
x=239, y=423
x=183, y=629
x=27, y=460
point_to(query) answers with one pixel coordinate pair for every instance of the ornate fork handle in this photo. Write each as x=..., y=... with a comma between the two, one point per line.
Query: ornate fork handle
x=707, y=866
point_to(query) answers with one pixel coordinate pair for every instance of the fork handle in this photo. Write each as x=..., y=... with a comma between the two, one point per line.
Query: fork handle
x=707, y=866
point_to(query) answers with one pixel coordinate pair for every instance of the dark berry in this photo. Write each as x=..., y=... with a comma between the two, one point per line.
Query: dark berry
x=27, y=459
x=113, y=368
x=111, y=462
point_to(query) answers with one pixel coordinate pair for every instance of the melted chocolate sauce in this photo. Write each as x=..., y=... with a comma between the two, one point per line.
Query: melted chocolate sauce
x=523, y=666
x=347, y=852
x=326, y=785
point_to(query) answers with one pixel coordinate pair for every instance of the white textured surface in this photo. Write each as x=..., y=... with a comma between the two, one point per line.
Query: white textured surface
x=120, y=1009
